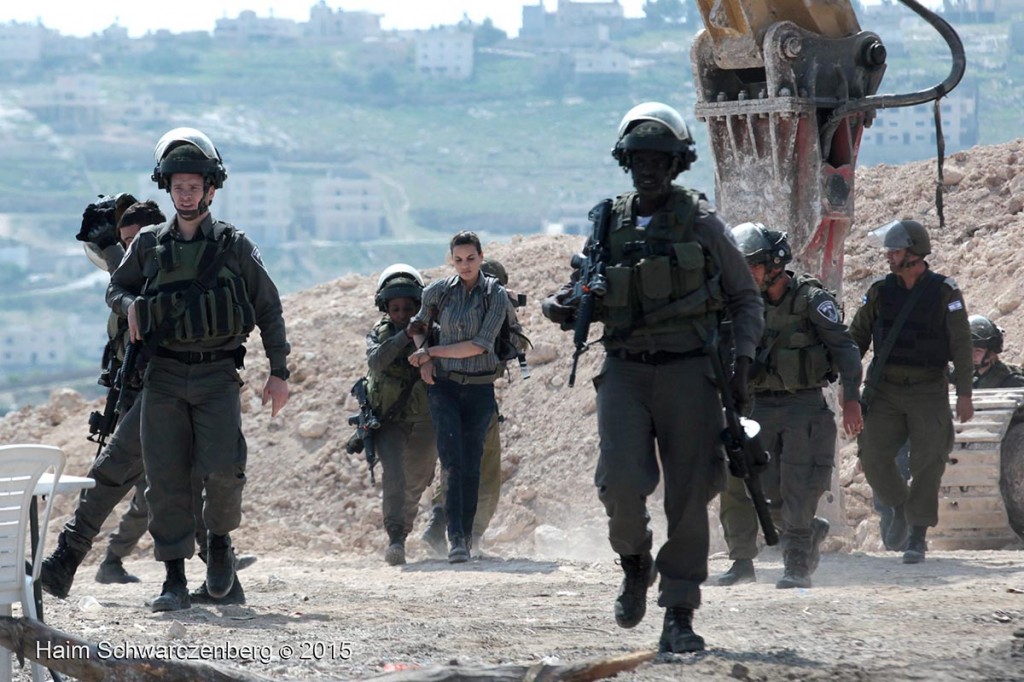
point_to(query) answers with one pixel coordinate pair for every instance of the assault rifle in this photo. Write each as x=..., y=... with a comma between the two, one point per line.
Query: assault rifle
x=742, y=443
x=102, y=424
x=591, y=284
x=366, y=422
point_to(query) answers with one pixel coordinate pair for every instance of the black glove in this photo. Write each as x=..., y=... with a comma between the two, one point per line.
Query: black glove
x=553, y=309
x=738, y=385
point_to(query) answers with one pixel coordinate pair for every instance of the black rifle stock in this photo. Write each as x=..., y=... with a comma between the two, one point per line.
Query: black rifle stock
x=745, y=452
x=101, y=425
x=366, y=422
x=591, y=283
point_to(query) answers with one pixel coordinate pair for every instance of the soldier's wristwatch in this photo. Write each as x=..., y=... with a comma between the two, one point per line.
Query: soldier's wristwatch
x=280, y=373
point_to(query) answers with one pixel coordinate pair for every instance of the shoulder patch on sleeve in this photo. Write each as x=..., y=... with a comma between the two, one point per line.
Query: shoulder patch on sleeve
x=955, y=305
x=829, y=310
x=256, y=257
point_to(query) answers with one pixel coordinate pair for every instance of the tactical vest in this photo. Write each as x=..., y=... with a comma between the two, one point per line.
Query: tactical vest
x=386, y=387
x=1000, y=375
x=792, y=356
x=660, y=278
x=922, y=341
x=221, y=313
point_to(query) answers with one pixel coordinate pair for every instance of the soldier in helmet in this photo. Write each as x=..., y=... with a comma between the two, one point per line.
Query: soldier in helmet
x=916, y=322
x=406, y=444
x=192, y=290
x=673, y=271
x=805, y=346
x=989, y=370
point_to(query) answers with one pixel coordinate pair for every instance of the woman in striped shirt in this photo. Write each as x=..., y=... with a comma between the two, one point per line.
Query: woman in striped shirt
x=459, y=368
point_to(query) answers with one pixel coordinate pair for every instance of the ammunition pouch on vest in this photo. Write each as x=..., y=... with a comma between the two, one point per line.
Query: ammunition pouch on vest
x=660, y=278
x=386, y=388
x=922, y=340
x=792, y=356
x=220, y=313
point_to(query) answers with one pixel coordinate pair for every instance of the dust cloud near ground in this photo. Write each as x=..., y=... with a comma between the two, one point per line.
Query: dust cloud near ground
x=546, y=584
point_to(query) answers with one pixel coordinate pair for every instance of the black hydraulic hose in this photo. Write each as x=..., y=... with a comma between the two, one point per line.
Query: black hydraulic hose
x=956, y=72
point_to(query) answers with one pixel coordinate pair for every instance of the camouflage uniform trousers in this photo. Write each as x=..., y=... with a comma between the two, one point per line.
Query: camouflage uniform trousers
x=490, y=481
x=799, y=432
x=677, y=406
x=921, y=412
x=407, y=451
x=191, y=425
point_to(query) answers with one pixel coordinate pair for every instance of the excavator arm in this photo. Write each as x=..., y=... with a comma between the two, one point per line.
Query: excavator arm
x=786, y=88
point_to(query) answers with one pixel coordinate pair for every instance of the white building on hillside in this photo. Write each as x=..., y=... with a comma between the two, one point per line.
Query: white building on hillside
x=347, y=207
x=446, y=52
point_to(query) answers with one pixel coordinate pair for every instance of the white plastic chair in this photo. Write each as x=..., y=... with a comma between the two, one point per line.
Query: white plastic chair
x=20, y=469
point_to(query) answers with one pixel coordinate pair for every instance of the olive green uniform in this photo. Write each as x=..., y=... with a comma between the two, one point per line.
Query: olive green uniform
x=912, y=398
x=191, y=412
x=999, y=375
x=406, y=444
x=669, y=281
x=805, y=344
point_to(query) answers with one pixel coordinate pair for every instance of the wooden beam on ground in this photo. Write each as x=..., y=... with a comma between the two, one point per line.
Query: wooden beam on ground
x=587, y=671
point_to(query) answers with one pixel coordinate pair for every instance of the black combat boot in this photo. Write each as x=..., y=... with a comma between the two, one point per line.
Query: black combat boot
x=201, y=595
x=797, y=570
x=819, y=529
x=677, y=635
x=916, y=545
x=631, y=604
x=434, y=535
x=220, y=565
x=111, y=571
x=741, y=571
x=395, y=553
x=459, y=553
x=896, y=538
x=174, y=596
x=58, y=570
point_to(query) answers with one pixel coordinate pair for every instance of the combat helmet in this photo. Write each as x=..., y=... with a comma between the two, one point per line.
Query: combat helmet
x=398, y=281
x=905, y=234
x=985, y=334
x=760, y=245
x=187, y=150
x=653, y=126
x=496, y=270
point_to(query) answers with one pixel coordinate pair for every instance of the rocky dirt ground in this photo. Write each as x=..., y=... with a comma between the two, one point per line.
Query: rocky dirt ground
x=314, y=519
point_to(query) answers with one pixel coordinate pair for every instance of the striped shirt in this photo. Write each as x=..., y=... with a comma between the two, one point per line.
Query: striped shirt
x=466, y=316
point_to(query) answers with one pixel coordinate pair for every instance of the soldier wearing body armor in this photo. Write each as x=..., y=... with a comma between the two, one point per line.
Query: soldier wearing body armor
x=673, y=271
x=916, y=322
x=406, y=444
x=805, y=347
x=490, y=463
x=192, y=290
x=117, y=470
x=989, y=370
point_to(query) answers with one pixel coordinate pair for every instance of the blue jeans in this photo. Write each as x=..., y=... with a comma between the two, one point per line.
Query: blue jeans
x=461, y=414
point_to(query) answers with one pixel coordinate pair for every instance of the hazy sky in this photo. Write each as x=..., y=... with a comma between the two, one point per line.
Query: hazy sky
x=138, y=16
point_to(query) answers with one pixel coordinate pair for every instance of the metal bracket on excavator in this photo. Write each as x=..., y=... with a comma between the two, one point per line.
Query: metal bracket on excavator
x=765, y=84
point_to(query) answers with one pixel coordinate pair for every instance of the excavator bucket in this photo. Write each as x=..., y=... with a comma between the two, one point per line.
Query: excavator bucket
x=767, y=75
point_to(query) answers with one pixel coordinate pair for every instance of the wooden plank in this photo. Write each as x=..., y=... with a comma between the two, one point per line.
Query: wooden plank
x=978, y=437
x=961, y=491
x=979, y=458
x=964, y=474
x=972, y=520
x=971, y=504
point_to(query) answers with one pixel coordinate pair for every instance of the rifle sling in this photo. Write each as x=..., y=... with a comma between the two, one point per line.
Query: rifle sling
x=878, y=363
